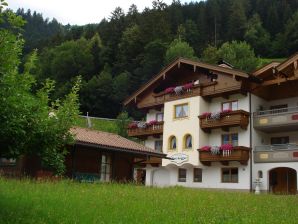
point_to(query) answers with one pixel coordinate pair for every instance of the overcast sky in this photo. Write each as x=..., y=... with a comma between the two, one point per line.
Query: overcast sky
x=79, y=12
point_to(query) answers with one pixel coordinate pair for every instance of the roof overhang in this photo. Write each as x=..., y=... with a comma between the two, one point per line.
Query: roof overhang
x=162, y=74
x=124, y=150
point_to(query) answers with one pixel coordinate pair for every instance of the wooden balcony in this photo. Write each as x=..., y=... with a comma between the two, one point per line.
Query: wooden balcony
x=284, y=119
x=229, y=119
x=162, y=97
x=156, y=129
x=239, y=154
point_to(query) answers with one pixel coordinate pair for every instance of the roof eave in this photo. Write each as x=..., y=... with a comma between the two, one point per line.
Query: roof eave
x=126, y=150
x=217, y=68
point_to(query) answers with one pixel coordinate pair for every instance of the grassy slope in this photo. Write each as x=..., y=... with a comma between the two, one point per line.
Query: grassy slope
x=265, y=61
x=97, y=124
x=67, y=202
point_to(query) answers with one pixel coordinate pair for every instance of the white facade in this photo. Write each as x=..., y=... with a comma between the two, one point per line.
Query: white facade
x=263, y=138
x=167, y=174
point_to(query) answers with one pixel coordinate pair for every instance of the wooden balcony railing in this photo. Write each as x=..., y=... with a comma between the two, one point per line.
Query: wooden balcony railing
x=162, y=97
x=156, y=129
x=239, y=154
x=283, y=119
x=229, y=119
x=208, y=90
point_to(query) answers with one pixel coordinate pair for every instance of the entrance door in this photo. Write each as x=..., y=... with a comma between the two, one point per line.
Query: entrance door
x=283, y=180
x=141, y=176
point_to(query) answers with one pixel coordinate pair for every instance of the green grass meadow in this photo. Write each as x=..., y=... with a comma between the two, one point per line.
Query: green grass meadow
x=28, y=201
x=98, y=124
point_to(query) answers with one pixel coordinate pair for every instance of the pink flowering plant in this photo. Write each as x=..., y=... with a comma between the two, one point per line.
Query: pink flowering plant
x=226, y=147
x=226, y=111
x=169, y=90
x=205, y=148
x=132, y=125
x=206, y=115
x=188, y=86
x=153, y=122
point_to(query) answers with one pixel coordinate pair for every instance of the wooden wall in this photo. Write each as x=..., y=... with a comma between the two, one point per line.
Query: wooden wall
x=88, y=160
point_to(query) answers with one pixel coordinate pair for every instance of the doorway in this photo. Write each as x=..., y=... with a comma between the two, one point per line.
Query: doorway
x=283, y=180
x=141, y=176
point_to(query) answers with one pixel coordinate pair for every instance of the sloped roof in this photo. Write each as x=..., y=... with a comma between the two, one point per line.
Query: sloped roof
x=111, y=141
x=178, y=61
x=265, y=68
x=287, y=62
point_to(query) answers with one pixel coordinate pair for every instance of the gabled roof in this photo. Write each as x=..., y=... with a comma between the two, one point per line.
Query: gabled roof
x=111, y=141
x=177, y=62
x=287, y=62
x=277, y=73
x=265, y=68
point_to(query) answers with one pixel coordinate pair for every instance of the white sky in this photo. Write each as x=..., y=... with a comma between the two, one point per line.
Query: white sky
x=79, y=12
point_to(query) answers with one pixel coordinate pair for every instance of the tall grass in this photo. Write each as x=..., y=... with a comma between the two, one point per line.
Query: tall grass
x=99, y=124
x=67, y=202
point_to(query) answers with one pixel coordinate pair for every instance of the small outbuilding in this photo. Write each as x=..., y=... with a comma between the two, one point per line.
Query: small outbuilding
x=104, y=156
x=95, y=156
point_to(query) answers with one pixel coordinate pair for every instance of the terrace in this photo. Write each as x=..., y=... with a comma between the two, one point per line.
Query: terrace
x=276, y=153
x=284, y=119
x=226, y=120
x=146, y=130
x=238, y=153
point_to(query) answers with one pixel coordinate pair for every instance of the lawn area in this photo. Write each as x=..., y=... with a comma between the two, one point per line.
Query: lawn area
x=99, y=124
x=67, y=202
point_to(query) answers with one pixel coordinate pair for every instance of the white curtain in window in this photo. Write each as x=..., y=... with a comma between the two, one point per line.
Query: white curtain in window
x=173, y=143
x=188, y=141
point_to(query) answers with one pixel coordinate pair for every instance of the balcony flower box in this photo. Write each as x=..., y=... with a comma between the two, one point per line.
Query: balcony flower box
x=133, y=125
x=227, y=153
x=224, y=119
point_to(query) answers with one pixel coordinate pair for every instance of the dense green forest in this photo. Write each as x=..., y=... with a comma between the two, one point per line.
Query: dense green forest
x=117, y=55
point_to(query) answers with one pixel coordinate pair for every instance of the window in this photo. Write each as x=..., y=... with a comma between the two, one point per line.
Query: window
x=159, y=117
x=280, y=140
x=197, y=175
x=187, y=141
x=7, y=162
x=158, y=145
x=229, y=175
x=181, y=110
x=106, y=168
x=260, y=174
x=230, y=139
x=231, y=105
x=181, y=175
x=172, y=143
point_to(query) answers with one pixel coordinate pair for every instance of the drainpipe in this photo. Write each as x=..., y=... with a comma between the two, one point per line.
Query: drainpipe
x=250, y=142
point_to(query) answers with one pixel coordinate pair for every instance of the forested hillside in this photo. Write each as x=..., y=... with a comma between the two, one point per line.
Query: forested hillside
x=118, y=54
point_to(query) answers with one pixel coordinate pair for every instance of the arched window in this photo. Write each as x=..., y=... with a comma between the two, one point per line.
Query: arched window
x=187, y=141
x=172, y=143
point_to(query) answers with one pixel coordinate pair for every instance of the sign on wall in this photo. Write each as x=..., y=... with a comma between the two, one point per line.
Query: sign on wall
x=179, y=158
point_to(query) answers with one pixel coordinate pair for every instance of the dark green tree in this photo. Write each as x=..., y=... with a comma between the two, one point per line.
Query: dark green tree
x=236, y=21
x=122, y=122
x=210, y=55
x=179, y=48
x=31, y=123
x=239, y=54
x=291, y=34
x=257, y=36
